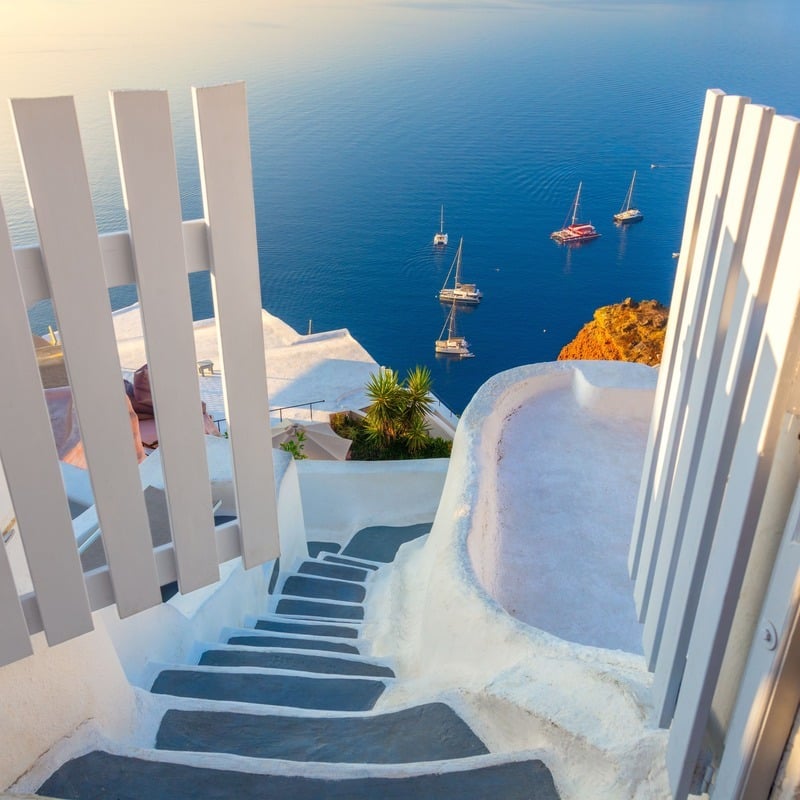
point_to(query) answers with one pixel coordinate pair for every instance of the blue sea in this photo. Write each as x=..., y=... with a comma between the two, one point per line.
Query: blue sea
x=367, y=116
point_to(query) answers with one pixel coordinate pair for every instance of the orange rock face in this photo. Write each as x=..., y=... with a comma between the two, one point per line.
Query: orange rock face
x=627, y=331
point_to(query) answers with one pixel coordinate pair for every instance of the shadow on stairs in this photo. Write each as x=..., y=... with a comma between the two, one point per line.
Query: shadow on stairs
x=285, y=709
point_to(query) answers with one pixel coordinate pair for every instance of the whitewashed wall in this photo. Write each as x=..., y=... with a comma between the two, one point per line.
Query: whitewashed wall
x=723, y=462
x=75, y=267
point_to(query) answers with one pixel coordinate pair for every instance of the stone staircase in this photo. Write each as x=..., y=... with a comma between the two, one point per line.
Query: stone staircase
x=285, y=708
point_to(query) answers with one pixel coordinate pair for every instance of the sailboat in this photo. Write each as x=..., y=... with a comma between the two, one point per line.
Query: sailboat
x=441, y=237
x=467, y=293
x=575, y=231
x=626, y=213
x=453, y=345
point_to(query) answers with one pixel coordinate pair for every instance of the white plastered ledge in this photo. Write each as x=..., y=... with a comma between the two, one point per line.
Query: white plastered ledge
x=518, y=502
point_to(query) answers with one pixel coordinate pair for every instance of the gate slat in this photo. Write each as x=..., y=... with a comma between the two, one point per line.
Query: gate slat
x=641, y=550
x=150, y=187
x=30, y=463
x=47, y=132
x=701, y=426
x=226, y=179
x=688, y=336
x=766, y=403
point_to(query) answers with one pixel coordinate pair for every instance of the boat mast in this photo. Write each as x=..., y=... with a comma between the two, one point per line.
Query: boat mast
x=629, y=198
x=575, y=206
x=452, y=326
x=441, y=220
x=458, y=263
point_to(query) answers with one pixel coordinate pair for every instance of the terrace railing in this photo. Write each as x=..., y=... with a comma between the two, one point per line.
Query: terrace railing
x=75, y=267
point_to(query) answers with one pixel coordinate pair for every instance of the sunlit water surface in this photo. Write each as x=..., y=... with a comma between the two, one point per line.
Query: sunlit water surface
x=366, y=116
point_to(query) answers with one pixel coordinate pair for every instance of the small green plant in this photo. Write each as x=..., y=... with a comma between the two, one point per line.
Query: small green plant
x=295, y=445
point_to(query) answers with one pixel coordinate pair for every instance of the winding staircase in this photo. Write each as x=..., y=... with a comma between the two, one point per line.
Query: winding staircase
x=286, y=708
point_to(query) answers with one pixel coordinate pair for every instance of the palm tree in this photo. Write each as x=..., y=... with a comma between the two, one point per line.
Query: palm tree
x=384, y=420
x=419, y=400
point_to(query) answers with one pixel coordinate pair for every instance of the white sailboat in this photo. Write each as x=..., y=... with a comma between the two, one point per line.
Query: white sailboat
x=453, y=345
x=441, y=236
x=467, y=293
x=627, y=214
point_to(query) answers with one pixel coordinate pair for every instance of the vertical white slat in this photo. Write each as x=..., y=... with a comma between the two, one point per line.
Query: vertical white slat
x=14, y=640
x=226, y=178
x=150, y=188
x=49, y=142
x=713, y=327
x=767, y=401
x=667, y=371
x=688, y=336
x=717, y=439
x=30, y=463
x=769, y=693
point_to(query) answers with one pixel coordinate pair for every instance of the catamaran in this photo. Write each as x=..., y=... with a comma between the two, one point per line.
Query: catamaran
x=441, y=236
x=575, y=231
x=467, y=293
x=453, y=345
x=627, y=214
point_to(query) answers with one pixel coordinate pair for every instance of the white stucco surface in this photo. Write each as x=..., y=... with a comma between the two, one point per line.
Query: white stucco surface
x=584, y=709
x=330, y=366
x=567, y=482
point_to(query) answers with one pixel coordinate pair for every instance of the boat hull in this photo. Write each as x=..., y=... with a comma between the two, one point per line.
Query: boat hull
x=457, y=346
x=628, y=217
x=573, y=234
x=440, y=238
x=463, y=298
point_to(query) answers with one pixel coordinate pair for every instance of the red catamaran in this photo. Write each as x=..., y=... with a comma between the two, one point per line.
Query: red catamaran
x=575, y=231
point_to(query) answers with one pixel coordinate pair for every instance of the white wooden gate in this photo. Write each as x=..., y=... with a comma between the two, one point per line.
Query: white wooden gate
x=75, y=267
x=725, y=403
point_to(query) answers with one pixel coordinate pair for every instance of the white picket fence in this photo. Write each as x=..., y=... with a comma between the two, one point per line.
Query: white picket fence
x=75, y=268
x=723, y=462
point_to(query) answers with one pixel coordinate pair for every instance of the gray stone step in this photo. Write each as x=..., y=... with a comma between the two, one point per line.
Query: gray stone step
x=381, y=543
x=327, y=570
x=323, y=589
x=296, y=691
x=315, y=548
x=350, y=562
x=301, y=662
x=318, y=608
x=430, y=732
x=290, y=643
x=103, y=776
x=309, y=628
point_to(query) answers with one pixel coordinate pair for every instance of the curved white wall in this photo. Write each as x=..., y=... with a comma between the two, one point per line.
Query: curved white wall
x=342, y=497
x=585, y=709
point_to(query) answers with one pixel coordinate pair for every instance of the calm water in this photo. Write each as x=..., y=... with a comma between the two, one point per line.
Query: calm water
x=366, y=116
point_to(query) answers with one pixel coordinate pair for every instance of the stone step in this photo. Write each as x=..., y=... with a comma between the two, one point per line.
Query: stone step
x=315, y=588
x=351, y=562
x=301, y=662
x=306, y=628
x=315, y=548
x=327, y=570
x=255, y=638
x=102, y=776
x=297, y=691
x=381, y=543
x=319, y=609
x=430, y=732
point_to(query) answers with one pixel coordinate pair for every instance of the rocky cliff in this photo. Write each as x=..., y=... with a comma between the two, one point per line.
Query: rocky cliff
x=626, y=331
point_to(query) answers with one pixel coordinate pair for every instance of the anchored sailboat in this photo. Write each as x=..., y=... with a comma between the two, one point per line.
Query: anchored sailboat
x=453, y=345
x=627, y=214
x=575, y=231
x=467, y=293
x=441, y=237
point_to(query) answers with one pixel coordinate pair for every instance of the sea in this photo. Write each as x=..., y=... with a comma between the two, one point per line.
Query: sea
x=368, y=116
